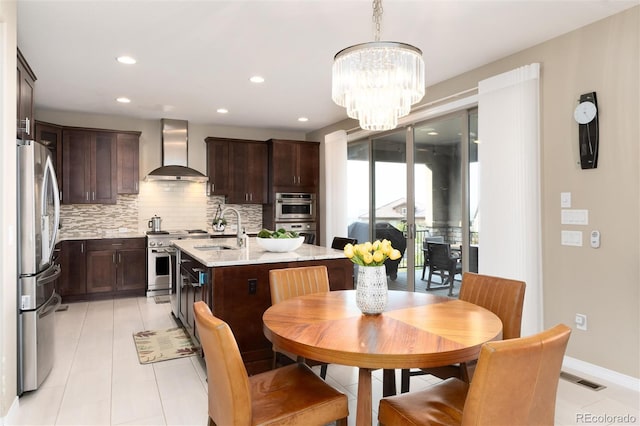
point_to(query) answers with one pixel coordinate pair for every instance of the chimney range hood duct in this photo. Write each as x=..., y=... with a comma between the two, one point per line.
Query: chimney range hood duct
x=175, y=139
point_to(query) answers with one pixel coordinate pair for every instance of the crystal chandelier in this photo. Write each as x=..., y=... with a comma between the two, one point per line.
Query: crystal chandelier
x=377, y=82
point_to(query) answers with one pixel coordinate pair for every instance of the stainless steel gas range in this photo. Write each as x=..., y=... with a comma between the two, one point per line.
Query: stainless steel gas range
x=161, y=259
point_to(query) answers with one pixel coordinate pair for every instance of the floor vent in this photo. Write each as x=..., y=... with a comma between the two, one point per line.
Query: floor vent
x=162, y=299
x=580, y=381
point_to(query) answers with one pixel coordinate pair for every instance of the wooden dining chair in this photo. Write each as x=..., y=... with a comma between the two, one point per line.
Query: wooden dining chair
x=291, y=282
x=515, y=384
x=502, y=296
x=291, y=395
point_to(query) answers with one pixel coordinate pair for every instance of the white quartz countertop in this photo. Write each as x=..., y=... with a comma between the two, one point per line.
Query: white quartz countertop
x=97, y=235
x=253, y=254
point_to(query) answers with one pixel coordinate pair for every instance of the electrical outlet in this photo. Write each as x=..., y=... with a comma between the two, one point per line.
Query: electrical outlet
x=253, y=285
x=581, y=322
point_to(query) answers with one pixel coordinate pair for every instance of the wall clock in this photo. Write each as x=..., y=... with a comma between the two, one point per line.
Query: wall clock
x=586, y=114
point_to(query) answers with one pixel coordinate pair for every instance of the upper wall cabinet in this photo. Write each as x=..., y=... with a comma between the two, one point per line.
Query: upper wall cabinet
x=218, y=165
x=237, y=169
x=89, y=167
x=50, y=135
x=98, y=164
x=248, y=166
x=25, y=99
x=128, y=153
x=294, y=165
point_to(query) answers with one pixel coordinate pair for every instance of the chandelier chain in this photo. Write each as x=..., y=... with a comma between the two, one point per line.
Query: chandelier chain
x=377, y=18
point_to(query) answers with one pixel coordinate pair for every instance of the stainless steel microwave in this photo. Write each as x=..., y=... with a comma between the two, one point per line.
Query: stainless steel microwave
x=295, y=206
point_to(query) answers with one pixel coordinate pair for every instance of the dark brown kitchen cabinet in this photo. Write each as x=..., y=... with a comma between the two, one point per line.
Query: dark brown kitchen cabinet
x=89, y=167
x=248, y=169
x=116, y=265
x=72, y=281
x=218, y=165
x=50, y=135
x=193, y=285
x=127, y=153
x=294, y=166
x=238, y=168
x=25, y=99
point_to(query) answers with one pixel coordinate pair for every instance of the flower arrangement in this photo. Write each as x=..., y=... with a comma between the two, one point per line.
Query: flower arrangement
x=371, y=253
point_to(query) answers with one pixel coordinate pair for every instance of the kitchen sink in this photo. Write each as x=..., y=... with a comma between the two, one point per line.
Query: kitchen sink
x=214, y=247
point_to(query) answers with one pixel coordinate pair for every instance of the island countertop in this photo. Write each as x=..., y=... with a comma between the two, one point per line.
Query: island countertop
x=252, y=255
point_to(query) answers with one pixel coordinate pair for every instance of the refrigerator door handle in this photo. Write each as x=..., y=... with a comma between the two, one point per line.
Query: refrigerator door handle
x=54, y=276
x=50, y=174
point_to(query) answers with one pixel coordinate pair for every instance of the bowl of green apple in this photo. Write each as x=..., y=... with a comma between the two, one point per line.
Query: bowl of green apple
x=279, y=241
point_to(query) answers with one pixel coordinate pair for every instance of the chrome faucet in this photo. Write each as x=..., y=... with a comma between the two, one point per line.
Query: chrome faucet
x=239, y=236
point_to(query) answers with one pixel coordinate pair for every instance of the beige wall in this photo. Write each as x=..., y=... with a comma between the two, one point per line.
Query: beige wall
x=601, y=283
x=8, y=375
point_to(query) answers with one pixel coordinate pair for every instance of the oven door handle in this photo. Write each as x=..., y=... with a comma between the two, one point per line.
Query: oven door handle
x=168, y=251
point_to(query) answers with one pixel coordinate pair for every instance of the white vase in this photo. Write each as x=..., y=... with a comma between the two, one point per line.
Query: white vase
x=371, y=289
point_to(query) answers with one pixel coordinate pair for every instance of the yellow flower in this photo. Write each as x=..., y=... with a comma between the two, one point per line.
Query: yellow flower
x=371, y=254
x=395, y=254
x=348, y=250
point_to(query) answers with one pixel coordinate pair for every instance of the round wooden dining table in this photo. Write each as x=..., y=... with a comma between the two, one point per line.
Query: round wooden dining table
x=415, y=330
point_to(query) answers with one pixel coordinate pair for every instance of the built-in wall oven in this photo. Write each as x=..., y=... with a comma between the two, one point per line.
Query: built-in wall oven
x=295, y=206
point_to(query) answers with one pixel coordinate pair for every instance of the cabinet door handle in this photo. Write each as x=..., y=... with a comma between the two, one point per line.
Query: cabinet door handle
x=119, y=258
x=93, y=195
x=113, y=257
x=87, y=195
x=27, y=125
x=81, y=247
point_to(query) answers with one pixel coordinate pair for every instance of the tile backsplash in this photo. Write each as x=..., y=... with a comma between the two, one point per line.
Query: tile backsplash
x=181, y=205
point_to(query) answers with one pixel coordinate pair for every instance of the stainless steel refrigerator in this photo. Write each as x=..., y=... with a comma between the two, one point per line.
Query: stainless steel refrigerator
x=38, y=220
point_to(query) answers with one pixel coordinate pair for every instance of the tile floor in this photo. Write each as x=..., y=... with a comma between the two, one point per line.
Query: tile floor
x=97, y=379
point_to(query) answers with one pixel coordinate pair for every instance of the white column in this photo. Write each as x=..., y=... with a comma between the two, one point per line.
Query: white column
x=509, y=158
x=334, y=206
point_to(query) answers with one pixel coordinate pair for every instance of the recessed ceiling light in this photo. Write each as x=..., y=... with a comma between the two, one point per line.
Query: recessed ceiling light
x=257, y=79
x=432, y=133
x=222, y=110
x=123, y=100
x=128, y=60
x=303, y=119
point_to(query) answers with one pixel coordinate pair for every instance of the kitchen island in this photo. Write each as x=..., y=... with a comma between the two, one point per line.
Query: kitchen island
x=235, y=285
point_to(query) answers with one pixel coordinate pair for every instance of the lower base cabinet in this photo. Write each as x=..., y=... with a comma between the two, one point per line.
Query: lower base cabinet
x=73, y=280
x=102, y=268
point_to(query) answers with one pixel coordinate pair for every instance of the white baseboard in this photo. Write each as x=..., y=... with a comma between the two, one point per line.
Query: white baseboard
x=7, y=420
x=610, y=376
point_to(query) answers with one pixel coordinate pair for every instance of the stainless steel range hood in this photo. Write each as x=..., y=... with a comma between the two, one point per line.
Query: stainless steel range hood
x=175, y=138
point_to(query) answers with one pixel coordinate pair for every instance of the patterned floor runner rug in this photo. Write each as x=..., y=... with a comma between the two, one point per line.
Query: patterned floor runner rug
x=162, y=345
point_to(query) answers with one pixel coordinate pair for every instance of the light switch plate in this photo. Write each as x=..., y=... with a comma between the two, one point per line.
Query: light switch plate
x=565, y=200
x=574, y=217
x=571, y=238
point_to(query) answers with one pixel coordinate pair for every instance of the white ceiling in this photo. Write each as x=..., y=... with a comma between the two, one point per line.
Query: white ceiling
x=195, y=57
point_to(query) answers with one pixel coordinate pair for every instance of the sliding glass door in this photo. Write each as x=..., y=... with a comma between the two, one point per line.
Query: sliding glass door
x=419, y=189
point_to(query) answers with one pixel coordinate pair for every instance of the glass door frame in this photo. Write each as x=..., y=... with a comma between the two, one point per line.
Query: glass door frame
x=410, y=234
